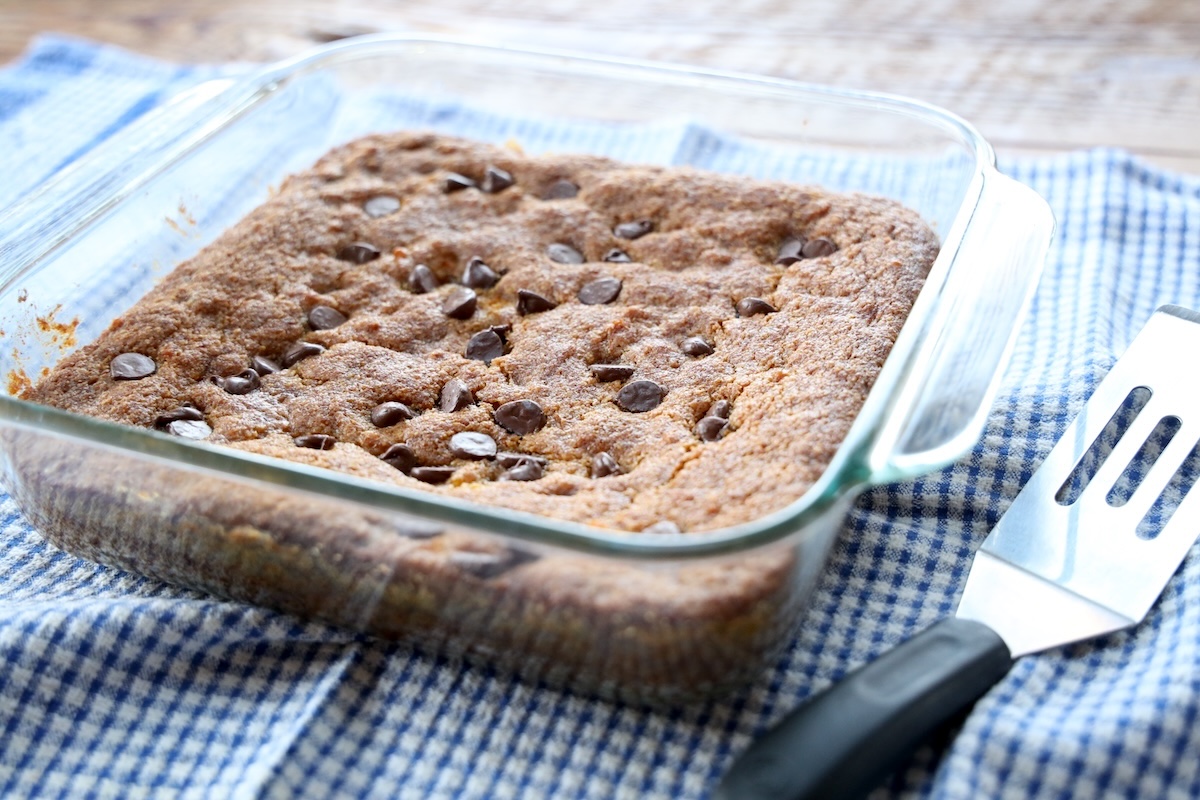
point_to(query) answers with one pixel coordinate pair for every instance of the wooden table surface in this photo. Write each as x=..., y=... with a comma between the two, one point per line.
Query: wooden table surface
x=1033, y=75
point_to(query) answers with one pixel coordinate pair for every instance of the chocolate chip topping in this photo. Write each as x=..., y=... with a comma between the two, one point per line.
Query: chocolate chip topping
x=508, y=459
x=528, y=471
x=390, y=413
x=564, y=253
x=181, y=414
x=696, y=347
x=455, y=183
x=478, y=275
x=263, y=365
x=640, y=396
x=195, y=429
x=460, y=303
x=790, y=250
x=751, y=306
x=485, y=346
x=131, y=367
x=431, y=474
x=455, y=396
x=472, y=445
x=400, y=456
x=599, y=291
x=317, y=441
x=325, y=318
x=617, y=256
x=520, y=417
x=816, y=248
x=358, y=253
x=721, y=409
x=422, y=280
x=298, y=352
x=533, y=303
x=381, y=205
x=496, y=180
x=561, y=189
x=490, y=565
x=603, y=465
x=710, y=428
x=244, y=382
x=633, y=230
x=611, y=372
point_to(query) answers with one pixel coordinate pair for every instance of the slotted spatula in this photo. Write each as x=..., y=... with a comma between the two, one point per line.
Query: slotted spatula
x=1085, y=549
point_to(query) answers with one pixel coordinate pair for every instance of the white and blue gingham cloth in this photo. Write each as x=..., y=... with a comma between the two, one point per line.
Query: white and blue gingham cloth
x=116, y=686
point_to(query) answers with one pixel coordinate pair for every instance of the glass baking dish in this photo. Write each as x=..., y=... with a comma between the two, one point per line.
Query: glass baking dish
x=642, y=617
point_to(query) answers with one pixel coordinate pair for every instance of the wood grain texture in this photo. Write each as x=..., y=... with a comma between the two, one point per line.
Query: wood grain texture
x=1032, y=75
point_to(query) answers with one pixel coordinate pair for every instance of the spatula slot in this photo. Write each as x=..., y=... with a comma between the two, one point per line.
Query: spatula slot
x=1177, y=488
x=1135, y=471
x=1099, y=450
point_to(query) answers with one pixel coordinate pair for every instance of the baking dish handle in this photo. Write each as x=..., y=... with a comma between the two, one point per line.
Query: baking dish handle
x=970, y=333
x=57, y=208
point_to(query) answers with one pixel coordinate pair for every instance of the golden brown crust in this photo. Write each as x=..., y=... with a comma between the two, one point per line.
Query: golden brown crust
x=795, y=378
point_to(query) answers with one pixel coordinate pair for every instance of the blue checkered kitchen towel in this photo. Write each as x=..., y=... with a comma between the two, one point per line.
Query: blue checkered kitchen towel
x=115, y=686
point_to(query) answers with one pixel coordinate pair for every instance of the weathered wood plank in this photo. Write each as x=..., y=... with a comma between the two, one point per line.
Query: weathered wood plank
x=1032, y=75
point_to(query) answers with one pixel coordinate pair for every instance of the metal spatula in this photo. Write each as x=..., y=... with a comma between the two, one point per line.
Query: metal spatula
x=1085, y=549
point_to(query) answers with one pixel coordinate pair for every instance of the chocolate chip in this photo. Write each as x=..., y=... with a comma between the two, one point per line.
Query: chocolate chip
x=381, y=205
x=485, y=346
x=603, y=465
x=790, y=250
x=496, y=180
x=131, y=367
x=472, y=445
x=720, y=409
x=422, y=280
x=599, y=291
x=502, y=330
x=455, y=396
x=460, y=303
x=662, y=527
x=816, y=248
x=390, y=413
x=189, y=429
x=244, y=382
x=564, y=253
x=263, y=365
x=455, y=182
x=611, y=372
x=750, y=306
x=400, y=456
x=324, y=318
x=183, y=413
x=316, y=441
x=633, y=230
x=509, y=459
x=561, y=189
x=533, y=303
x=520, y=417
x=710, y=428
x=640, y=396
x=358, y=253
x=696, y=347
x=300, y=351
x=490, y=565
x=529, y=471
x=432, y=474
x=478, y=275
x=617, y=256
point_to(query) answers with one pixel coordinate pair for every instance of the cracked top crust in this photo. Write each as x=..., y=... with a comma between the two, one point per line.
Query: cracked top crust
x=333, y=260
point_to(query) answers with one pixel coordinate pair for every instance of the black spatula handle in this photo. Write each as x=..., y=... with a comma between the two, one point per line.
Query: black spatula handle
x=844, y=741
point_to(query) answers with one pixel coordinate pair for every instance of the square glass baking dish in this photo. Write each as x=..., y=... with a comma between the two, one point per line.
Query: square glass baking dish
x=661, y=618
